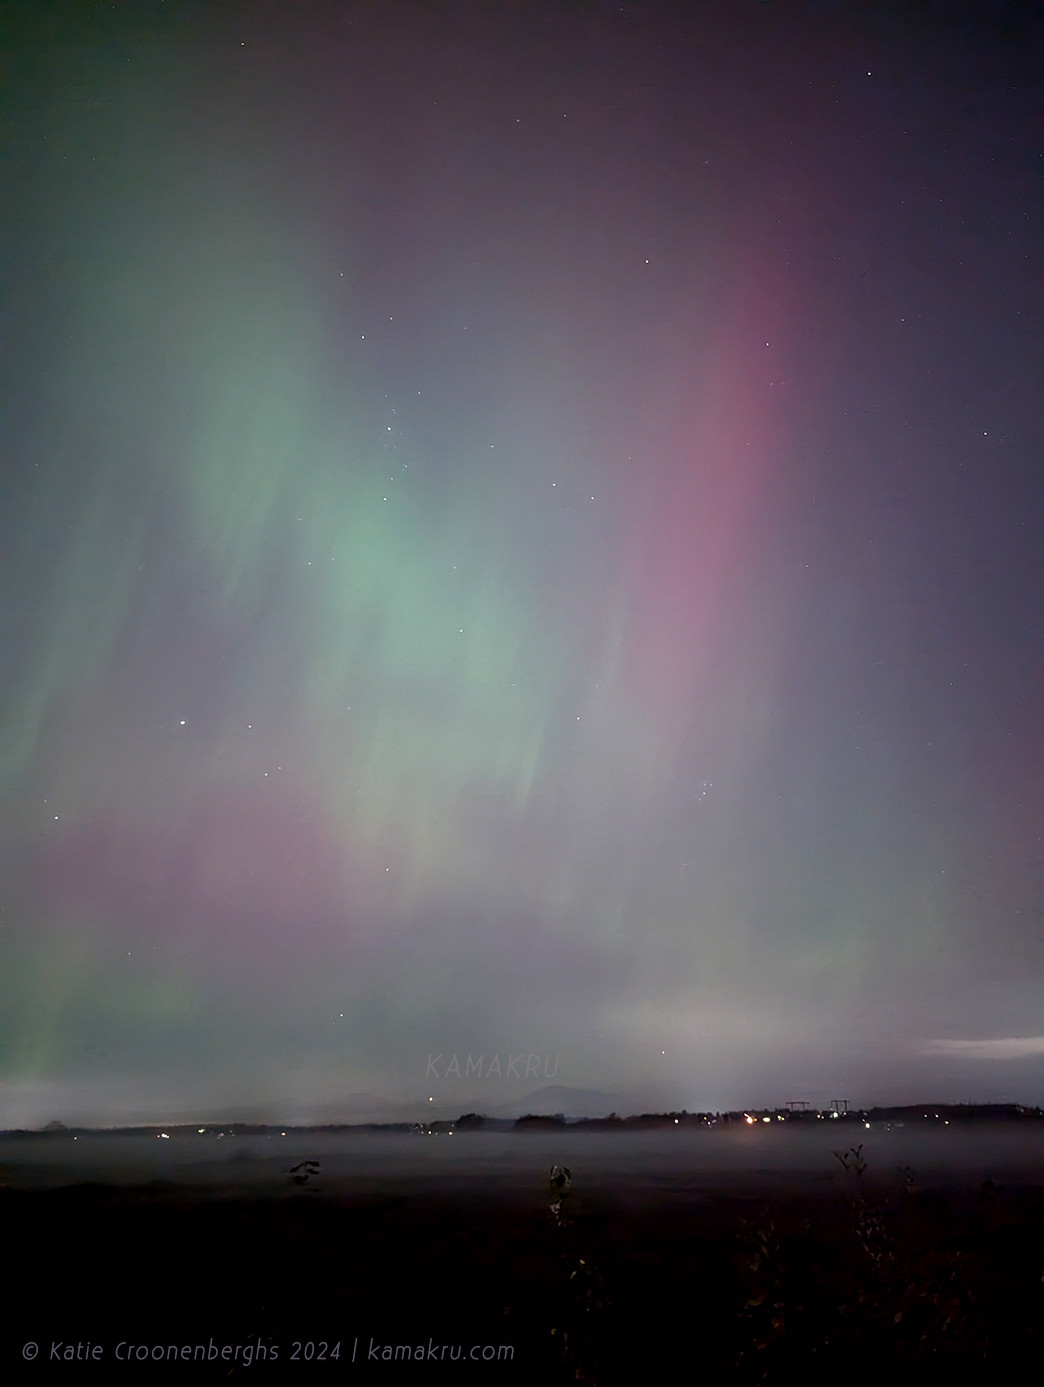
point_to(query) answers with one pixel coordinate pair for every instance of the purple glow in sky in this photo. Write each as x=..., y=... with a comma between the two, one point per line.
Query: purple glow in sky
x=522, y=531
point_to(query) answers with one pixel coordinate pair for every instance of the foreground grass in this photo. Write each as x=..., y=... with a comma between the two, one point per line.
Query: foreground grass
x=921, y=1287
x=855, y=1284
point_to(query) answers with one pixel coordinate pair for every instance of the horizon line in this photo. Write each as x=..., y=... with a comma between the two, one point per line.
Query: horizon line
x=56, y=1127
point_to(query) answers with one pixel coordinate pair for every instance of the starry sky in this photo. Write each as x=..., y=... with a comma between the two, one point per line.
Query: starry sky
x=522, y=532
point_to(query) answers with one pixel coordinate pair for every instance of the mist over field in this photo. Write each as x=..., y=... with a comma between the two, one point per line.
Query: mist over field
x=644, y=1165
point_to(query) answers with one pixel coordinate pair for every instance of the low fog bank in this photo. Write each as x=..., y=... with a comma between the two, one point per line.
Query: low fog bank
x=730, y=1158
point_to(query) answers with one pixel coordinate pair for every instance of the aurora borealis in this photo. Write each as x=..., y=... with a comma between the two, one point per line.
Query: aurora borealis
x=522, y=531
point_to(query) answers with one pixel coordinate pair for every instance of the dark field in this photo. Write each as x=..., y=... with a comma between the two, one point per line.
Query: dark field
x=823, y=1276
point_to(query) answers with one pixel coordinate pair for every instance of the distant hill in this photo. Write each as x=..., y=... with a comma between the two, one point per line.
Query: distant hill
x=572, y=1103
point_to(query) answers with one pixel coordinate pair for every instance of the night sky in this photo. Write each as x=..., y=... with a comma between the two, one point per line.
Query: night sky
x=522, y=532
